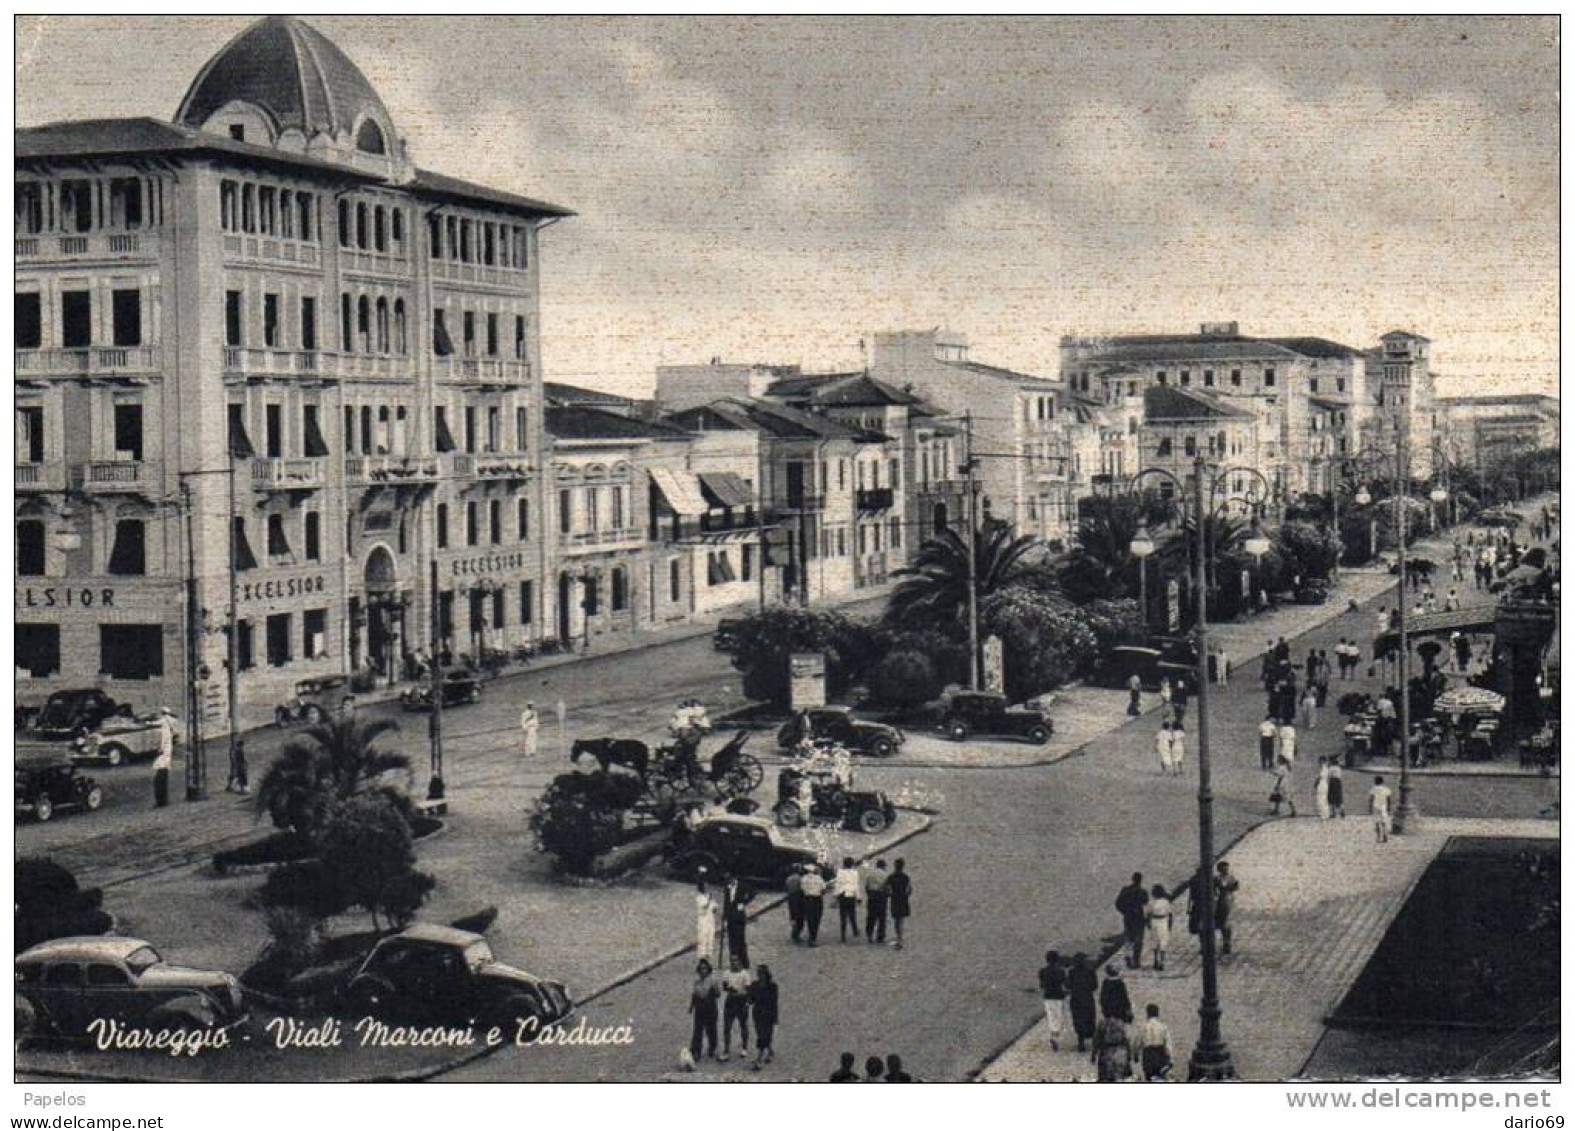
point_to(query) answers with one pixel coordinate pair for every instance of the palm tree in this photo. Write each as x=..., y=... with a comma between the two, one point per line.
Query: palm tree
x=933, y=592
x=1101, y=563
x=331, y=760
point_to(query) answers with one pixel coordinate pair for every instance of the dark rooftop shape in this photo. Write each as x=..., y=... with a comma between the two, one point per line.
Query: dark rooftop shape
x=841, y=389
x=581, y=422
x=294, y=74
x=438, y=186
x=802, y=384
x=1316, y=347
x=564, y=395
x=1403, y=334
x=1168, y=403
x=1329, y=404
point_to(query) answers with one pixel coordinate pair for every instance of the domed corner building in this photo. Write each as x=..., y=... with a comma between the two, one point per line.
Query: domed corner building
x=270, y=373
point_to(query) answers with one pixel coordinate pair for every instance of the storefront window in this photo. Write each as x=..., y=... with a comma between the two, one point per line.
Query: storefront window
x=131, y=651
x=38, y=649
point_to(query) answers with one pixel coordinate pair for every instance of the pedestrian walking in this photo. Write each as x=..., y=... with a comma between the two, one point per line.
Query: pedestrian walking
x=707, y=914
x=1225, y=887
x=1135, y=696
x=1321, y=790
x=875, y=902
x=849, y=890
x=1112, y=1051
x=530, y=730
x=165, y=759
x=1165, y=691
x=1336, y=790
x=1161, y=916
x=1154, y=1049
x=735, y=919
x=1082, y=986
x=899, y=890
x=1285, y=749
x=702, y=1010
x=1280, y=794
x=1310, y=708
x=1162, y=745
x=238, y=782
x=1114, y=1001
x=795, y=901
x=1321, y=679
x=764, y=1011
x=1268, y=732
x=1178, y=699
x=736, y=984
x=813, y=888
x=1178, y=748
x=845, y=1073
x=1132, y=904
x=1379, y=802
x=1052, y=986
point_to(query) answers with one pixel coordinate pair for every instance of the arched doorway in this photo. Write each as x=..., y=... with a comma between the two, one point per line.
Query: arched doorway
x=385, y=614
x=565, y=605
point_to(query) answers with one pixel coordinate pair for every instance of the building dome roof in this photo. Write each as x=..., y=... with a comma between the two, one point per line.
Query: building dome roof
x=295, y=76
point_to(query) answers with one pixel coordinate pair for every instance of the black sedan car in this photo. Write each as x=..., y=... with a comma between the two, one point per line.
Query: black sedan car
x=734, y=845
x=837, y=724
x=46, y=786
x=67, y=714
x=459, y=687
x=986, y=713
x=446, y=976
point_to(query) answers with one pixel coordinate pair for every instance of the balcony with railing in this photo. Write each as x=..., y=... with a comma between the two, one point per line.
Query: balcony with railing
x=373, y=262
x=33, y=477
x=274, y=474
x=456, y=272
x=875, y=498
x=801, y=501
x=87, y=361
x=502, y=465
x=271, y=249
x=252, y=361
x=119, y=476
x=380, y=469
x=52, y=247
x=481, y=369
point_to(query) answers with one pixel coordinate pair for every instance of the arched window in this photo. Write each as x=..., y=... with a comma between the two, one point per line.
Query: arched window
x=361, y=233
x=369, y=138
x=401, y=340
x=344, y=222
x=364, y=324
x=382, y=325
x=620, y=590
x=380, y=229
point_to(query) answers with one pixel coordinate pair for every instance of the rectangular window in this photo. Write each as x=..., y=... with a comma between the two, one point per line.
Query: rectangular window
x=472, y=525
x=521, y=429
x=277, y=630
x=674, y=581
x=30, y=435
x=76, y=319
x=565, y=512
x=492, y=335
x=131, y=651
x=519, y=338
x=28, y=326
x=1235, y=378
x=1161, y=378
x=38, y=649
x=495, y=520
x=746, y=565
x=128, y=557
x=1208, y=378
x=273, y=427
x=1268, y=378
x=126, y=317
x=308, y=322
x=314, y=633
x=522, y=519
x=245, y=649
x=128, y=432
x=271, y=321
x=494, y=428
x=313, y=525
x=470, y=429
x=232, y=318
x=1186, y=377
x=30, y=559
x=470, y=333
x=441, y=521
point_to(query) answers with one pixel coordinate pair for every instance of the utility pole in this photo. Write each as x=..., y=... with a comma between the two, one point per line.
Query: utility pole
x=1402, y=488
x=233, y=646
x=973, y=553
x=195, y=770
x=435, y=786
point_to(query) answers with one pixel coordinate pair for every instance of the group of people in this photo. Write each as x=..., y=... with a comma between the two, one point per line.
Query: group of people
x=739, y=996
x=877, y=1070
x=886, y=896
x=1102, y=1019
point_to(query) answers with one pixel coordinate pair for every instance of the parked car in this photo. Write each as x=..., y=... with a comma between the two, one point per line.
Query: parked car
x=67, y=714
x=314, y=700
x=45, y=786
x=446, y=976
x=67, y=983
x=865, y=810
x=726, y=634
x=987, y=713
x=1148, y=664
x=119, y=739
x=459, y=686
x=1312, y=593
x=837, y=724
x=748, y=847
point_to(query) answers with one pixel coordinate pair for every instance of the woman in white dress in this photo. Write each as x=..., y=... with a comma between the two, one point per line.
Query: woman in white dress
x=1321, y=790
x=1160, y=914
x=1178, y=749
x=707, y=915
x=1162, y=746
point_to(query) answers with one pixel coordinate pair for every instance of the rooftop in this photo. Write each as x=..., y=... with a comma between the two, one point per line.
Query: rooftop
x=562, y=394
x=1168, y=404
x=581, y=422
x=845, y=389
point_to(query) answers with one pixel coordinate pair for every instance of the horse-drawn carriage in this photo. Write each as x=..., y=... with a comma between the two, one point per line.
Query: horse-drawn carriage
x=672, y=776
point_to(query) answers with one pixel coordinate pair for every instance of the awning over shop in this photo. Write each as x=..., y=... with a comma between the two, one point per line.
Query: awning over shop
x=725, y=537
x=681, y=490
x=725, y=489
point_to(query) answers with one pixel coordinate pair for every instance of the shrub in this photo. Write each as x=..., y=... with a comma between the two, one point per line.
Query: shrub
x=307, y=886
x=1308, y=550
x=580, y=816
x=364, y=842
x=903, y=681
x=947, y=654
x=277, y=848
x=761, y=644
x=1045, y=640
x=40, y=880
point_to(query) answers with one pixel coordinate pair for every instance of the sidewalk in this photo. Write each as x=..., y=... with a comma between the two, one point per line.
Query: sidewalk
x=1316, y=899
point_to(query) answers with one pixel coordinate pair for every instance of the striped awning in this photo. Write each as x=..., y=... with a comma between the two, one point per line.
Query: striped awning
x=725, y=489
x=681, y=490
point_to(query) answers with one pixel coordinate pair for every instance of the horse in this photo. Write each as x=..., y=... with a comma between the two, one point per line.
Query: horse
x=608, y=752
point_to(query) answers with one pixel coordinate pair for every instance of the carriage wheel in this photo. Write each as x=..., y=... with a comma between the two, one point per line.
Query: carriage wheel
x=745, y=774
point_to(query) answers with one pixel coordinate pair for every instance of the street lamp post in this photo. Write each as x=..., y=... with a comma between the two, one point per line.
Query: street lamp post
x=1142, y=546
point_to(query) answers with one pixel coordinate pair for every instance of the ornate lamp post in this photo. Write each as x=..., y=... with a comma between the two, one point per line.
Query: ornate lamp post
x=1142, y=547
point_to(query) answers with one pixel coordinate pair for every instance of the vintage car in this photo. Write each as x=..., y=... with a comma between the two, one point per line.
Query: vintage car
x=837, y=724
x=446, y=976
x=46, y=785
x=987, y=713
x=728, y=844
x=67, y=983
x=119, y=740
x=821, y=800
x=314, y=700
x=67, y=714
x=1150, y=665
x=726, y=634
x=459, y=686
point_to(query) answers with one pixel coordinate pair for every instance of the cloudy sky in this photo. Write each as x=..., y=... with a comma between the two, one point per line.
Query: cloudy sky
x=778, y=189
